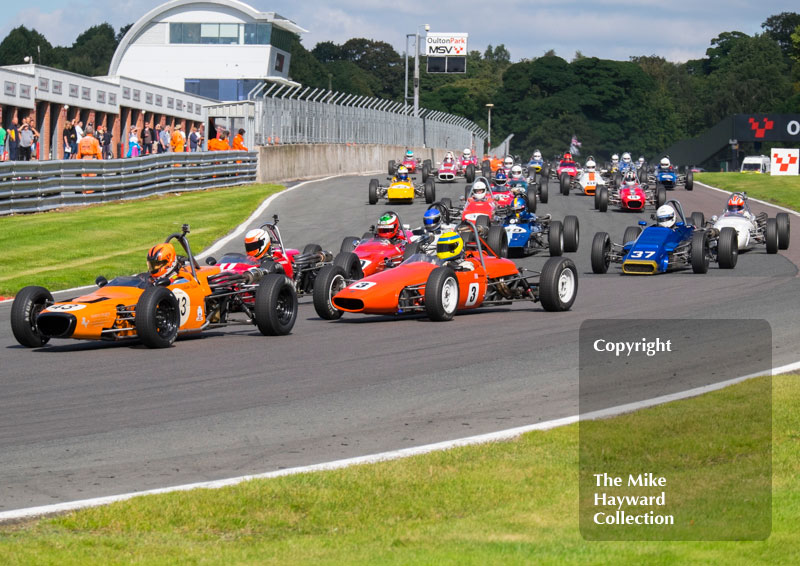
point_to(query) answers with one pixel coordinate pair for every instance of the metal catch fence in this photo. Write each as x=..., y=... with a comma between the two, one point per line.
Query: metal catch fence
x=36, y=186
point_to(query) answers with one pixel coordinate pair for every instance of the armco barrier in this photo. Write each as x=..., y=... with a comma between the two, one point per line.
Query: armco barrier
x=45, y=185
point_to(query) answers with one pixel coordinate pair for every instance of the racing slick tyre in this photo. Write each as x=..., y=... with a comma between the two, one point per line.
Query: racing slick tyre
x=498, y=240
x=601, y=249
x=555, y=238
x=469, y=174
x=441, y=294
x=410, y=249
x=486, y=170
x=571, y=233
x=558, y=284
x=530, y=197
x=27, y=305
x=330, y=280
x=564, y=183
x=782, y=220
x=689, y=181
x=542, y=188
x=545, y=174
x=271, y=266
x=311, y=249
x=349, y=243
x=727, y=248
x=430, y=191
x=700, y=249
x=350, y=264
x=661, y=195
x=630, y=234
x=392, y=167
x=373, y=191
x=617, y=179
x=275, y=306
x=482, y=223
x=158, y=317
x=698, y=219
x=602, y=201
x=597, y=198
x=771, y=235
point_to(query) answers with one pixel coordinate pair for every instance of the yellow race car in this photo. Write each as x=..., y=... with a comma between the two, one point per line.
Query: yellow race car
x=402, y=190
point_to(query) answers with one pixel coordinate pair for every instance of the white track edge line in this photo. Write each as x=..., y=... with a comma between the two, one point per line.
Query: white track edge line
x=507, y=434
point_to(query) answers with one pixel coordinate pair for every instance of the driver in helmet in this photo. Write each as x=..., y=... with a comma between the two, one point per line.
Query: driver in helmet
x=736, y=205
x=500, y=177
x=402, y=174
x=640, y=162
x=627, y=163
x=508, y=163
x=409, y=154
x=432, y=220
x=630, y=178
x=536, y=160
x=614, y=162
x=665, y=164
x=257, y=244
x=467, y=153
x=479, y=192
x=450, y=249
x=448, y=157
x=516, y=173
x=162, y=261
x=665, y=216
x=389, y=228
x=519, y=210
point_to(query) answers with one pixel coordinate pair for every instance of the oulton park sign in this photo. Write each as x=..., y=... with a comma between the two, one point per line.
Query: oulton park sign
x=766, y=127
x=446, y=44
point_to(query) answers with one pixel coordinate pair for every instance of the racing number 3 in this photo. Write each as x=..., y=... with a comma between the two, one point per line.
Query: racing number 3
x=472, y=294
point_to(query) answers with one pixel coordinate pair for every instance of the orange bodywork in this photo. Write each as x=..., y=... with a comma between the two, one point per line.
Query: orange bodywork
x=496, y=164
x=591, y=183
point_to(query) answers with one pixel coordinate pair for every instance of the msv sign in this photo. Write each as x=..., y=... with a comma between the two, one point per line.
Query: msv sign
x=446, y=44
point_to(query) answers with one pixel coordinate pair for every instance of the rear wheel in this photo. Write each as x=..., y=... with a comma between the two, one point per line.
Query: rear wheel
x=530, y=197
x=27, y=305
x=602, y=202
x=276, y=306
x=392, y=167
x=782, y=220
x=426, y=170
x=555, y=238
x=312, y=249
x=558, y=284
x=601, y=249
x=158, y=318
x=699, y=255
x=771, y=235
x=373, y=191
x=349, y=244
x=469, y=174
x=597, y=198
x=727, y=248
x=661, y=195
x=564, y=183
x=467, y=190
x=430, y=191
x=543, y=189
x=631, y=233
x=689, y=180
x=441, y=294
x=330, y=280
x=498, y=240
x=571, y=233
x=350, y=264
x=698, y=219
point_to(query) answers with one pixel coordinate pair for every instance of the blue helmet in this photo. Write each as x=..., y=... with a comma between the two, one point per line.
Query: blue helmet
x=500, y=177
x=519, y=205
x=432, y=219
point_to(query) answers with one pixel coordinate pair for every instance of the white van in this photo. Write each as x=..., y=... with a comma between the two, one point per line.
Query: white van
x=755, y=164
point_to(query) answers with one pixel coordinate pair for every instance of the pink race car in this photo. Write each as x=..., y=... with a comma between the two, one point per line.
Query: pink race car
x=630, y=195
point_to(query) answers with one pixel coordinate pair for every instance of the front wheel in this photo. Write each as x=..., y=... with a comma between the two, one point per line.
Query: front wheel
x=571, y=233
x=349, y=243
x=543, y=190
x=771, y=235
x=631, y=234
x=158, y=317
x=330, y=280
x=430, y=191
x=373, y=191
x=276, y=306
x=661, y=195
x=469, y=174
x=782, y=220
x=555, y=238
x=441, y=294
x=350, y=264
x=601, y=252
x=727, y=248
x=689, y=180
x=699, y=255
x=530, y=196
x=27, y=305
x=565, y=182
x=558, y=284
x=602, y=202
x=698, y=219
x=498, y=240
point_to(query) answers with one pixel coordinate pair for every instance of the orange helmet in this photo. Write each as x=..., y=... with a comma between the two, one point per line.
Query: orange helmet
x=567, y=156
x=161, y=259
x=388, y=226
x=736, y=204
x=256, y=243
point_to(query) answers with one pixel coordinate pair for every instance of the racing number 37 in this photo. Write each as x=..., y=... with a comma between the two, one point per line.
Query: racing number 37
x=641, y=254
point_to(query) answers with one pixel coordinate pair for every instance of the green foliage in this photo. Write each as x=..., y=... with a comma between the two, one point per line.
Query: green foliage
x=780, y=28
x=21, y=42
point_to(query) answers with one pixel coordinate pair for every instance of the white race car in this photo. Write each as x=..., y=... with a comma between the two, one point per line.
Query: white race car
x=754, y=229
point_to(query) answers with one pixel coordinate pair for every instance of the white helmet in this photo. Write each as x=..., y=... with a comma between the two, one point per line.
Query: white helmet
x=665, y=161
x=641, y=160
x=479, y=190
x=508, y=162
x=590, y=164
x=467, y=152
x=626, y=157
x=615, y=158
x=665, y=216
x=537, y=154
x=630, y=177
x=516, y=172
x=448, y=154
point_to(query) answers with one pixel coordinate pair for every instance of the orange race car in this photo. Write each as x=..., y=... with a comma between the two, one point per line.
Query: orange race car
x=176, y=296
x=465, y=273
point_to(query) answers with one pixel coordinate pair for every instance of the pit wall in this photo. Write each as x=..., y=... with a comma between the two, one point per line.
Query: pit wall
x=280, y=163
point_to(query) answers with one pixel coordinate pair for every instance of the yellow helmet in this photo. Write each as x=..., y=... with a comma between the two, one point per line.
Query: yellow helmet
x=449, y=246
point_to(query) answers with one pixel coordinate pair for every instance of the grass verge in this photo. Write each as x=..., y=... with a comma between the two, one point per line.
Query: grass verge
x=780, y=190
x=69, y=248
x=503, y=503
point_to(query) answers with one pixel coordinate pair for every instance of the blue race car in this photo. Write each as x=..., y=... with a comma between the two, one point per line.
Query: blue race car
x=671, y=243
x=528, y=233
x=665, y=174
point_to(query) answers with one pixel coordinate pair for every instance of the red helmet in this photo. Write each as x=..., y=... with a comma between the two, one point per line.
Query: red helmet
x=736, y=204
x=388, y=226
x=567, y=156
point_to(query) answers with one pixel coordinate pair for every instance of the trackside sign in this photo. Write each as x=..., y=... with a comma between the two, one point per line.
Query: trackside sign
x=446, y=44
x=785, y=161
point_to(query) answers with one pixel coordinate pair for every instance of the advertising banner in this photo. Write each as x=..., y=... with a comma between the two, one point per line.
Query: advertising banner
x=785, y=161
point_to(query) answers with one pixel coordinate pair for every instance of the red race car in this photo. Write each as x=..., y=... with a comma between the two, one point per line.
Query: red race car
x=382, y=247
x=630, y=195
x=412, y=164
x=440, y=287
x=448, y=169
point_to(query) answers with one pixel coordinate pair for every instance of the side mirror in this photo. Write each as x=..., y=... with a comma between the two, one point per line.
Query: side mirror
x=714, y=218
x=211, y=260
x=101, y=281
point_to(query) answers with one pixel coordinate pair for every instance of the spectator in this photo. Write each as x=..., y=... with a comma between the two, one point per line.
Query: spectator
x=105, y=141
x=164, y=140
x=2, y=143
x=202, y=134
x=177, y=142
x=220, y=143
x=194, y=140
x=70, y=141
x=12, y=139
x=27, y=137
x=89, y=147
x=147, y=139
x=238, y=141
x=78, y=130
x=134, y=149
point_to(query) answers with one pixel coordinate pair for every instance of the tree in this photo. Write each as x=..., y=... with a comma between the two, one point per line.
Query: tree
x=780, y=28
x=122, y=31
x=92, y=51
x=22, y=42
x=378, y=59
x=327, y=52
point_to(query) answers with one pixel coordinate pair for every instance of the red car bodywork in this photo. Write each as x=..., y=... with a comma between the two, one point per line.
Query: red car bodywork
x=410, y=163
x=568, y=167
x=632, y=197
x=376, y=254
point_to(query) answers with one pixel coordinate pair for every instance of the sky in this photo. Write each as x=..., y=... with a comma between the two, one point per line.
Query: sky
x=677, y=30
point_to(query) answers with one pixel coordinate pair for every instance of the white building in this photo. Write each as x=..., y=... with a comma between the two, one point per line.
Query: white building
x=218, y=49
